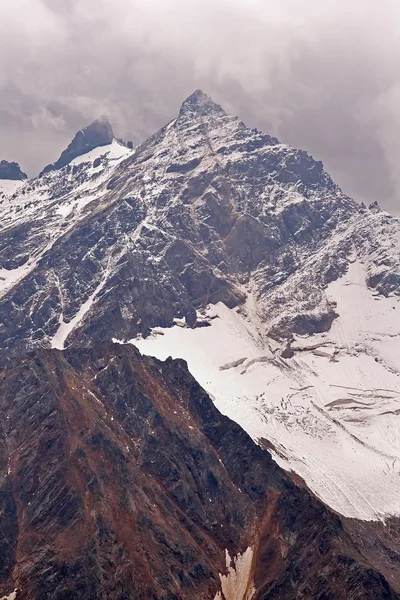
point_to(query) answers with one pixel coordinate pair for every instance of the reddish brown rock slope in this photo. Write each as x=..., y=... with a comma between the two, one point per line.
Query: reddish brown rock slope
x=121, y=480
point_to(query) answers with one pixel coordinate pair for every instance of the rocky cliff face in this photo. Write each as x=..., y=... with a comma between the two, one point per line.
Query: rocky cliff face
x=11, y=171
x=121, y=479
x=99, y=133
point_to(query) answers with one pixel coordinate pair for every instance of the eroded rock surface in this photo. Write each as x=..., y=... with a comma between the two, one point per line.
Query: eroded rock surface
x=120, y=479
x=99, y=133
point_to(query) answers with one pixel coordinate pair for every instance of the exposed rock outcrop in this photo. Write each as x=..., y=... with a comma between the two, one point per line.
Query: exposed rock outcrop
x=121, y=479
x=12, y=171
x=99, y=133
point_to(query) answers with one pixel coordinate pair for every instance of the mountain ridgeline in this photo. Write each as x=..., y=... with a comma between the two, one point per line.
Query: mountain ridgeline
x=120, y=478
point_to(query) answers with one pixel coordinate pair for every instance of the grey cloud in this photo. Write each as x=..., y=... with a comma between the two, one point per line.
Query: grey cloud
x=321, y=76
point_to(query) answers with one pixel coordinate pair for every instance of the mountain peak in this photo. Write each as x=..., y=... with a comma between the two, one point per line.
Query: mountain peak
x=11, y=170
x=98, y=133
x=200, y=103
x=101, y=119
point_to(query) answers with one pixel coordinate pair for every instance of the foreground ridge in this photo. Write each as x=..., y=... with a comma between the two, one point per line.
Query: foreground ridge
x=120, y=477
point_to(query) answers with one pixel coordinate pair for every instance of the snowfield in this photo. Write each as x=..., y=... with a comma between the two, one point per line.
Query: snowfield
x=331, y=413
x=8, y=187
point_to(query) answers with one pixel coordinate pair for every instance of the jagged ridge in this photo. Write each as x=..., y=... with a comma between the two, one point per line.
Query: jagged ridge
x=99, y=133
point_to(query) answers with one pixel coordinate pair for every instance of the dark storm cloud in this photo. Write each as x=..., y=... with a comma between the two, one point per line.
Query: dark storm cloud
x=323, y=76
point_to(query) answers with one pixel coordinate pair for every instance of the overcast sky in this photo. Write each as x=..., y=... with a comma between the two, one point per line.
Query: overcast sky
x=320, y=75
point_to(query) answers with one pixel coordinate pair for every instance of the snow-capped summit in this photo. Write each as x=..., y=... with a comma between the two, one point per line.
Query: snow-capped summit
x=99, y=133
x=200, y=104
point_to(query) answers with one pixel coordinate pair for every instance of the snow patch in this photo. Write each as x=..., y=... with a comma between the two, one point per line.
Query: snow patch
x=237, y=584
x=113, y=151
x=12, y=596
x=64, y=329
x=8, y=187
x=9, y=277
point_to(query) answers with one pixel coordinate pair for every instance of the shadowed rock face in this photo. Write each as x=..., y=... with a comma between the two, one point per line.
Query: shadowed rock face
x=120, y=479
x=11, y=170
x=99, y=133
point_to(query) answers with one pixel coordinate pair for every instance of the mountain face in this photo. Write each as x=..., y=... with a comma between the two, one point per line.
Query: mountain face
x=99, y=133
x=11, y=171
x=120, y=479
x=214, y=243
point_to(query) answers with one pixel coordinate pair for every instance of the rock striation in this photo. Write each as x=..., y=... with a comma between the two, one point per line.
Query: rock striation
x=119, y=478
x=201, y=209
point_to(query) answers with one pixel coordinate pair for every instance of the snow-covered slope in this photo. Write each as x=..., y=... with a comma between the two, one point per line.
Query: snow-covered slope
x=37, y=212
x=331, y=412
x=8, y=187
x=60, y=192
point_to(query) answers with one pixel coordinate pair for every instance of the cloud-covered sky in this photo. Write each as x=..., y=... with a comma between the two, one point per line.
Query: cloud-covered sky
x=323, y=76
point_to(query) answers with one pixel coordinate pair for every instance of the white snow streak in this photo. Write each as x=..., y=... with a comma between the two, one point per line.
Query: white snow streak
x=9, y=277
x=113, y=151
x=64, y=329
